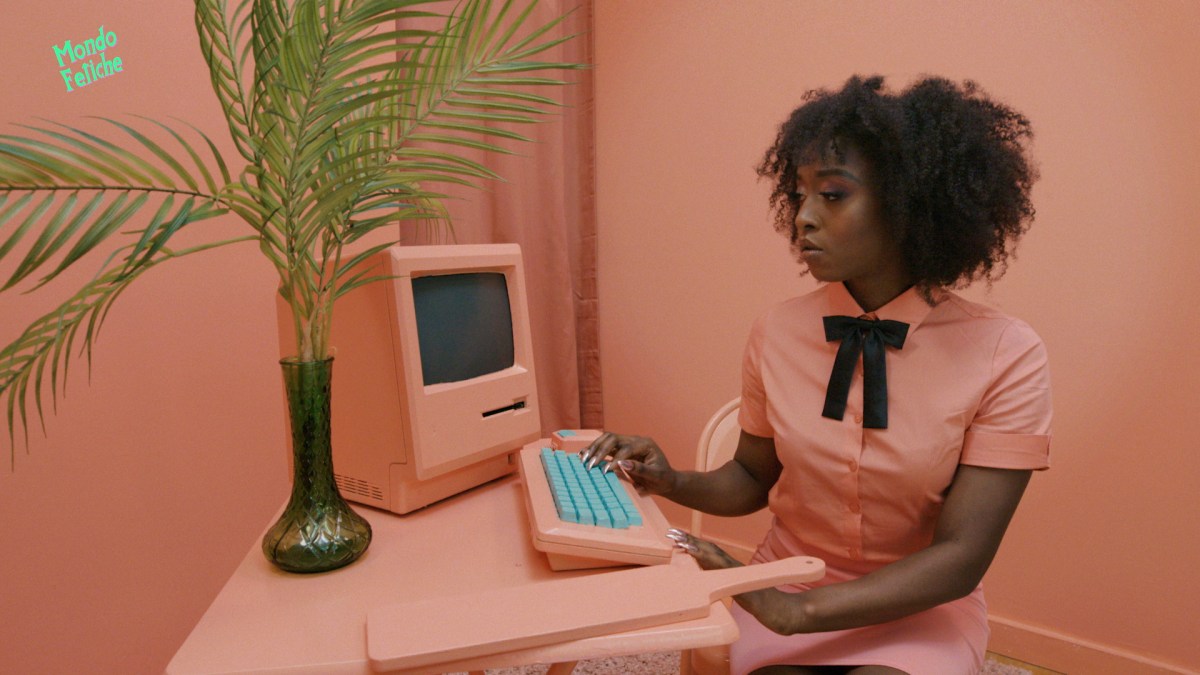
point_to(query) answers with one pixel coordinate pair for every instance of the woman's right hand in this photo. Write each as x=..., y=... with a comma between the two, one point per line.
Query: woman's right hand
x=638, y=459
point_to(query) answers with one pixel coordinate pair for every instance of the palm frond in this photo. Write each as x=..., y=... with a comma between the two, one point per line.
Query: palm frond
x=63, y=176
x=220, y=34
x=49, y=342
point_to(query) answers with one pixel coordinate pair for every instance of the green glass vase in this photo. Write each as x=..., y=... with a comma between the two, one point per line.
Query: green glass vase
x=318, y=530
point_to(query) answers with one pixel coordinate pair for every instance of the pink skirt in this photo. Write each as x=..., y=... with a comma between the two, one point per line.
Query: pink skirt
x=950, y=639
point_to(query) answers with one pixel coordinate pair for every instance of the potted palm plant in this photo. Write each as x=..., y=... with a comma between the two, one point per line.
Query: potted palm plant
x=344, y=113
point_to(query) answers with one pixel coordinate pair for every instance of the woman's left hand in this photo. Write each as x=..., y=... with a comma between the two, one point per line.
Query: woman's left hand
x=775, y=609
x=707, y=554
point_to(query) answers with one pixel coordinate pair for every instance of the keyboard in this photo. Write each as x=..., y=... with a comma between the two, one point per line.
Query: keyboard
x=615, y=526
x=587, y=496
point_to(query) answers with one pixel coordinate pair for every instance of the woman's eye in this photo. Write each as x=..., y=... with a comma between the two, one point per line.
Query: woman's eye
x=833, y=196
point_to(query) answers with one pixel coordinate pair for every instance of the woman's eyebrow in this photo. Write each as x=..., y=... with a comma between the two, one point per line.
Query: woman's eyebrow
x=838, y=171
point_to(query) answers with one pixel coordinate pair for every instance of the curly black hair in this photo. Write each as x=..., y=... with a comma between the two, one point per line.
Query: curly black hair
x=948, y=164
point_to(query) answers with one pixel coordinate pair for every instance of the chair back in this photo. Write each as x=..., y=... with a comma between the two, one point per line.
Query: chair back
x=718, y=441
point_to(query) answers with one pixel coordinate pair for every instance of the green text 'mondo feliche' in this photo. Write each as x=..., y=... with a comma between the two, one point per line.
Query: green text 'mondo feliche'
x=91, y=57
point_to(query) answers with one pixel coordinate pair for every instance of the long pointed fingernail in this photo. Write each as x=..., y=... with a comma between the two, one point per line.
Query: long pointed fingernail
x=624, y=465
x=685, y=546
x=676, y=535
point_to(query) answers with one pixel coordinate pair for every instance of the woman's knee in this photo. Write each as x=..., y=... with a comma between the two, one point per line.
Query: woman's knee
x=799, y=670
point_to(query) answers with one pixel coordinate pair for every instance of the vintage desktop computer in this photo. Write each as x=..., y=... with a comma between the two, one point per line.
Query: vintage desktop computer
x=433, y=377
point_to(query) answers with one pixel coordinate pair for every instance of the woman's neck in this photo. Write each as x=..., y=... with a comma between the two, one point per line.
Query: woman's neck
x=871, y=298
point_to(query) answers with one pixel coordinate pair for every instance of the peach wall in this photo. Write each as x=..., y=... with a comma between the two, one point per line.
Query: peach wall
x=1101, y=556
x=120, y=527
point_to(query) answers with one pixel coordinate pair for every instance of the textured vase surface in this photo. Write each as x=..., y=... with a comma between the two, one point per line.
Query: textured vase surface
x=318, y=530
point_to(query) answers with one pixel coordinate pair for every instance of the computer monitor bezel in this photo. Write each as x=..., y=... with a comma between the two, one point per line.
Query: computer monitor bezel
x=452, y=425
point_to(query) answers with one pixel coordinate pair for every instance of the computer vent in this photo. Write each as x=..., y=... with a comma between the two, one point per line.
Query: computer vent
x=358, y=487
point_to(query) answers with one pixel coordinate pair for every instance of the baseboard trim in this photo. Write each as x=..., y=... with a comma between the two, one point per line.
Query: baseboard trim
x=1070, y=654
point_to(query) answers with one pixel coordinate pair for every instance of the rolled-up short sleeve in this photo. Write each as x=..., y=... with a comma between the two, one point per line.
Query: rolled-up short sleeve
x=1011, y=428
x=752, y=416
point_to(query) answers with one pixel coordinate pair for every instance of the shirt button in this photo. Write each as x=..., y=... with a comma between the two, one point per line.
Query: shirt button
x=855, y=507
x=858, y=419
x=853, y=465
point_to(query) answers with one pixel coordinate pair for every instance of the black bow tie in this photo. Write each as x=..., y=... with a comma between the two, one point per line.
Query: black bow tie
x=866, y=337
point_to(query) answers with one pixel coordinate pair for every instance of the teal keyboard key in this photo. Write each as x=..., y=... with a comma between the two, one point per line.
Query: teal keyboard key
x=587, y=496
x=623, y=498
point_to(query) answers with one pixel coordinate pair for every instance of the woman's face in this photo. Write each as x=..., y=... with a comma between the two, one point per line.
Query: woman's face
x=840, y=233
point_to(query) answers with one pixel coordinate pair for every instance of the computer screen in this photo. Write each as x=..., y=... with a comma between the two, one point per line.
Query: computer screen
x=464, y=325
x=434, y=383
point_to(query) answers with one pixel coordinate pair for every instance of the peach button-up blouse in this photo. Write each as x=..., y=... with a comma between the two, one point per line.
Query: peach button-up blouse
x=970, y=386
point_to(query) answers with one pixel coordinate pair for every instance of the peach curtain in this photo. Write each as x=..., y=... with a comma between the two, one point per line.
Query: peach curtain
x=545, y=204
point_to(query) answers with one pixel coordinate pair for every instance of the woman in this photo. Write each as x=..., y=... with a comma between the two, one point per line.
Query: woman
x=889, y=425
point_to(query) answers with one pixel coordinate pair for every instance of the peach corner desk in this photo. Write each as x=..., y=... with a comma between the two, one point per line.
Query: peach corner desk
x=265, y=620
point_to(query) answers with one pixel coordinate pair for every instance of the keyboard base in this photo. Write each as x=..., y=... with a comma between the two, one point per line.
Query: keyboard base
x=570, y=546
x=560, y=562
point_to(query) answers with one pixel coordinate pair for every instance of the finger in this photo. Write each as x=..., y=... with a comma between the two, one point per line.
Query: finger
x=638, y=473
x=682, y=540
x=594, y=446
x=625, y=469
x=618, y=447
x=597, y=457
x=625, y=452
x=645, y=472
x=647, y=478
x=640, y=450
x=599, y=448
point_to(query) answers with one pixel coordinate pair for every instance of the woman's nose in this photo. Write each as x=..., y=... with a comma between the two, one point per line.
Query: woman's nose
x=806, y=218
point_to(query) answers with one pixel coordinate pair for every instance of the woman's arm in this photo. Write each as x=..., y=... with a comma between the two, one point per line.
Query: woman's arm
x=978, y=508
x=738, y=487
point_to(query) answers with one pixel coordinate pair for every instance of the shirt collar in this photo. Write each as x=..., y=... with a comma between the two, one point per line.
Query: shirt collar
x=908, y=307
